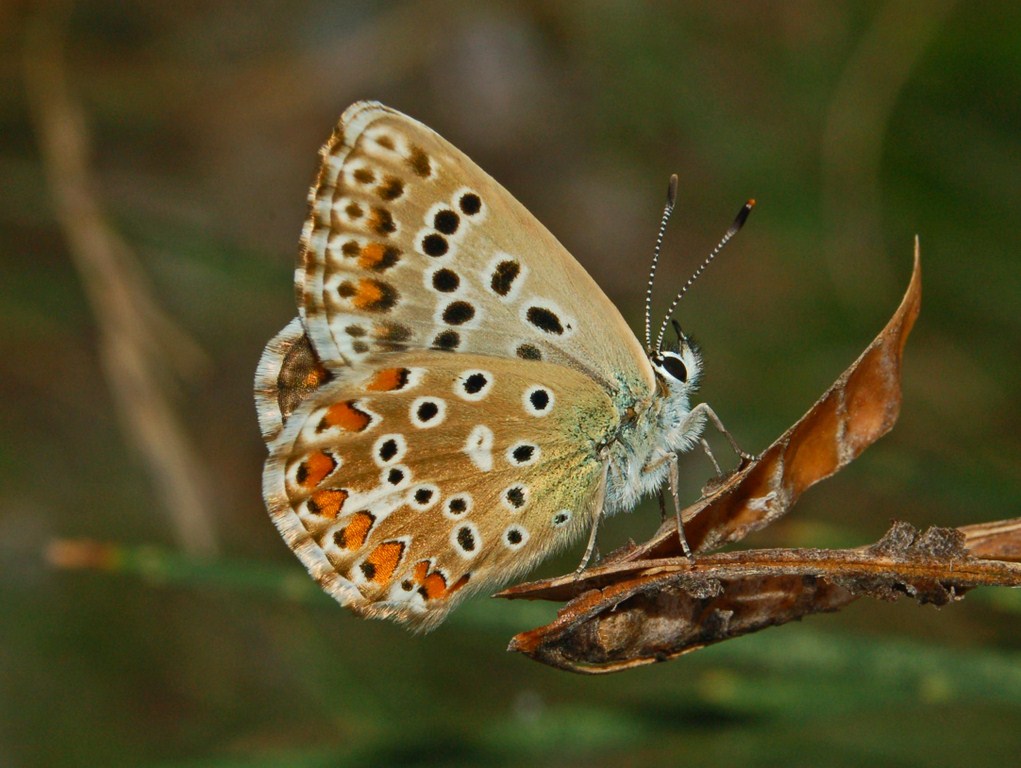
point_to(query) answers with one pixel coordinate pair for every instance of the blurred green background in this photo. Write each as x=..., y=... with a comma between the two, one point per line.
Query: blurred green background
x=142, y=279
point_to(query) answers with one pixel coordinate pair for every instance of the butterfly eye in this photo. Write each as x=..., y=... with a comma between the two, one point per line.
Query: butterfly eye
x=674, y=367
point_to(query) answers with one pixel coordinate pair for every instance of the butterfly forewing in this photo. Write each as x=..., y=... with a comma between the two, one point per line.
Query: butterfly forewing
x=421, y=477
x=410, y=245
x=447, y=408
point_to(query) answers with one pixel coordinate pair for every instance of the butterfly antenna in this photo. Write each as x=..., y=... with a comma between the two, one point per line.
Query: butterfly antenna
x=671, y=198
x=739, y=220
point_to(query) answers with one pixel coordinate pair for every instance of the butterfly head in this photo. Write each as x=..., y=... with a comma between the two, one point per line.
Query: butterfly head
x=678, y=369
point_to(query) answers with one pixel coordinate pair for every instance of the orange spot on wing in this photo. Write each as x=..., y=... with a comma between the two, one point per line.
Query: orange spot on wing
x=355, y=532
x=367, y=294
x=458, y=584
x=315, y=468
x=378, y=257
x=346, y=416
x=383, y=561
x=434, y=586
x=371, y=255
x=370, y=295
x=327, y=503
x=388, y=380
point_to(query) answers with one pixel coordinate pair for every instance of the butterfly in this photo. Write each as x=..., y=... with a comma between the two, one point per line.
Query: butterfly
x=457, y=398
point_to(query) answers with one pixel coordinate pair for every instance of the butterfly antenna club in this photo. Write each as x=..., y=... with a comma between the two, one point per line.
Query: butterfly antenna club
x=739, y=220
x=671, y=199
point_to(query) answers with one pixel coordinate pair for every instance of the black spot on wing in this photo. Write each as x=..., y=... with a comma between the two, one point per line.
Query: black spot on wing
x=447, y=341
x=529, y=352
x=503, y=278
x=446, y=221
x=545, y=320
x=458, y=313
x=446, y=280
x=470, y=203
x=435, y=245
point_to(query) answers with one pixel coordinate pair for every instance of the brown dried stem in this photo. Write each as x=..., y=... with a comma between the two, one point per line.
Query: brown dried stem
x=136, y=338
x=666, y=608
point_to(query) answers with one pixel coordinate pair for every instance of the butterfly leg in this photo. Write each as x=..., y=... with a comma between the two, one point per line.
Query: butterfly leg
x=597, y=504
x=674, y=483
x=674, y=479
x=702, y=411
x=709, y=453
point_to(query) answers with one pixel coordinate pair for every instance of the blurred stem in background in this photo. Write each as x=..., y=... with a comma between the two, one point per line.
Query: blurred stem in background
x=852, y=146
x=141, y=347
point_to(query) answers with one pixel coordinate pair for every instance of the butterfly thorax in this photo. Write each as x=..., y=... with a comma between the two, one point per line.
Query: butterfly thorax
x=657, y=427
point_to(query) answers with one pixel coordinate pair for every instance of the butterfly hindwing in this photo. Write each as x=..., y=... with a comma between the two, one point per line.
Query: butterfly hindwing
x=410, y=245
x=289, y=371
x=420, y=477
